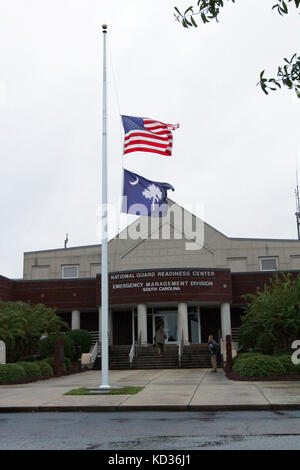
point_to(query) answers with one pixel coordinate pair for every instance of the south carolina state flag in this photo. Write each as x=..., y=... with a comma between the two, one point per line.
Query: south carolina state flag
x=144, y=197
x=147, y=135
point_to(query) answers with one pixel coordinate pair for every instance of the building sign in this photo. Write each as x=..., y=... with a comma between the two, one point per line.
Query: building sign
x=169, y=285
x=146, y=282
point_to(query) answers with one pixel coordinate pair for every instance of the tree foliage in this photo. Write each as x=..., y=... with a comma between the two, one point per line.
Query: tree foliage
x=47, y=346
x=288, y=75
x=22, y=325
x=82, y=339
x=272, y=319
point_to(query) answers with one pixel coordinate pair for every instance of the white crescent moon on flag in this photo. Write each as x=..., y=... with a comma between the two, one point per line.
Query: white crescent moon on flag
x=134, y=182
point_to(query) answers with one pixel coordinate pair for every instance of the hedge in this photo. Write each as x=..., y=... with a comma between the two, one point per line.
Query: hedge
x=50, y=360
x=259, y=366
x=32, y=369
x=11, y=373
x=286, y=361
x=263, y=365
x=46, y=368
x=47, y=346
x=82, y=339
x=241, y=357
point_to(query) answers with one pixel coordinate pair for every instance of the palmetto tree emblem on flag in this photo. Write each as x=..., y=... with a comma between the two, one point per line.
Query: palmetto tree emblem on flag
x=154, y=193
x=144, y=197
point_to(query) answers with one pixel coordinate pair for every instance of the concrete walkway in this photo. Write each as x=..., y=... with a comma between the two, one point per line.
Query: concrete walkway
x=168, y=389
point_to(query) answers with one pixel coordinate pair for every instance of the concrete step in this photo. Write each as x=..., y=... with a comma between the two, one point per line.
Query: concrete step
x=154, y=367
x=141, y=360
x=155, y=354
x=194, y=356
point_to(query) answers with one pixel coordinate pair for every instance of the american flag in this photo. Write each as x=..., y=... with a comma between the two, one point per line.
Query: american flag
x=147, y=135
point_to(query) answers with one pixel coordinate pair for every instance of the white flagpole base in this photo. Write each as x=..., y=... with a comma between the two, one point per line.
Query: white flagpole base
x=104, y=387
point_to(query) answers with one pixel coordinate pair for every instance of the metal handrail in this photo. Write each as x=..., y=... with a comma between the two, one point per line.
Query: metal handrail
x=94, y=353
x=180, y=350
x=132, y=353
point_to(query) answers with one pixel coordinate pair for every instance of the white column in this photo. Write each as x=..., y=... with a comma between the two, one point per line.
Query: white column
x=225, y=320
x=183, y=322
x=142, y=323
x=75, y=323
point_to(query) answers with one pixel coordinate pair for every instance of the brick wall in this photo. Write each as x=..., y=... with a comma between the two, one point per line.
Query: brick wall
x=6, y=288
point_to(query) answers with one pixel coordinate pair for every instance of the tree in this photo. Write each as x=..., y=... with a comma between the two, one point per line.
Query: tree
x=153, y=192
x=288, y=75
x=272, y=319
x=22, y=325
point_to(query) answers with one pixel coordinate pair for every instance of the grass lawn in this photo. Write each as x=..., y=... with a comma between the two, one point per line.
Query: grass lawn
x=113, y=391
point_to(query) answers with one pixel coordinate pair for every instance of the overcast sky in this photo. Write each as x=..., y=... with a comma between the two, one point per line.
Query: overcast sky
x=235, y=151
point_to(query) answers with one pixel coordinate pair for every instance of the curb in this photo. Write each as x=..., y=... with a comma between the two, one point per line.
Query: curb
x=70, y=408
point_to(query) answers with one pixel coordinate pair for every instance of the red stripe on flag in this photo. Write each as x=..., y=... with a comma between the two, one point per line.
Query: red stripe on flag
x=144, y=142
x=141, y=149
x=145, y=134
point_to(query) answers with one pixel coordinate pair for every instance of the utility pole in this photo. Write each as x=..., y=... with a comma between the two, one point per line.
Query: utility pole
x=66, y=240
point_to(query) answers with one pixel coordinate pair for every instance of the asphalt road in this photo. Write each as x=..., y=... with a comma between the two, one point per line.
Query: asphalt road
x=151, y=430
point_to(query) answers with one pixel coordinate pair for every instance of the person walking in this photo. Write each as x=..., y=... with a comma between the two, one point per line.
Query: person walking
x=213, y=349
x=160, y=337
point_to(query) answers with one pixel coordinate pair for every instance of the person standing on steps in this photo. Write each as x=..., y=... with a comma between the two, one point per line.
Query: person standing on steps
x=160, y=337
x=213, y=349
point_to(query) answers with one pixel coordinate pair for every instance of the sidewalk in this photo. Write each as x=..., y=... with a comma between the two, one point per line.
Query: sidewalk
x=168, y=389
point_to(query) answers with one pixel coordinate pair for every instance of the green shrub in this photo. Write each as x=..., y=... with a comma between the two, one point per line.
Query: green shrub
x=265, y=343
x=82, y=339
x=11, y=373
x=242, y=356
x=47, y=346
x=32, y=369
x=46, y=368
x=67, y=363
x=50, y=360
x=259, y=365
x=289, y=367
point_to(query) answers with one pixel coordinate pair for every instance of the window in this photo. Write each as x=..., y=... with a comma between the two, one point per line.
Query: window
x=69, y=272
x=268, y=264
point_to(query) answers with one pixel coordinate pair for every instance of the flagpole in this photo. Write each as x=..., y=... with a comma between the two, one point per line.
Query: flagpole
x=104, y=252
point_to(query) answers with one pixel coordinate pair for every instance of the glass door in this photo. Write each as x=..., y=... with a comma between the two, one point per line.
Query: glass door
x=169, y=323
x=171, y=330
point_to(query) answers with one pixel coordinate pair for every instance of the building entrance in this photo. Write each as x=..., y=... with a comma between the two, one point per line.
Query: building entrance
x=168, y=320
x=122, y=327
